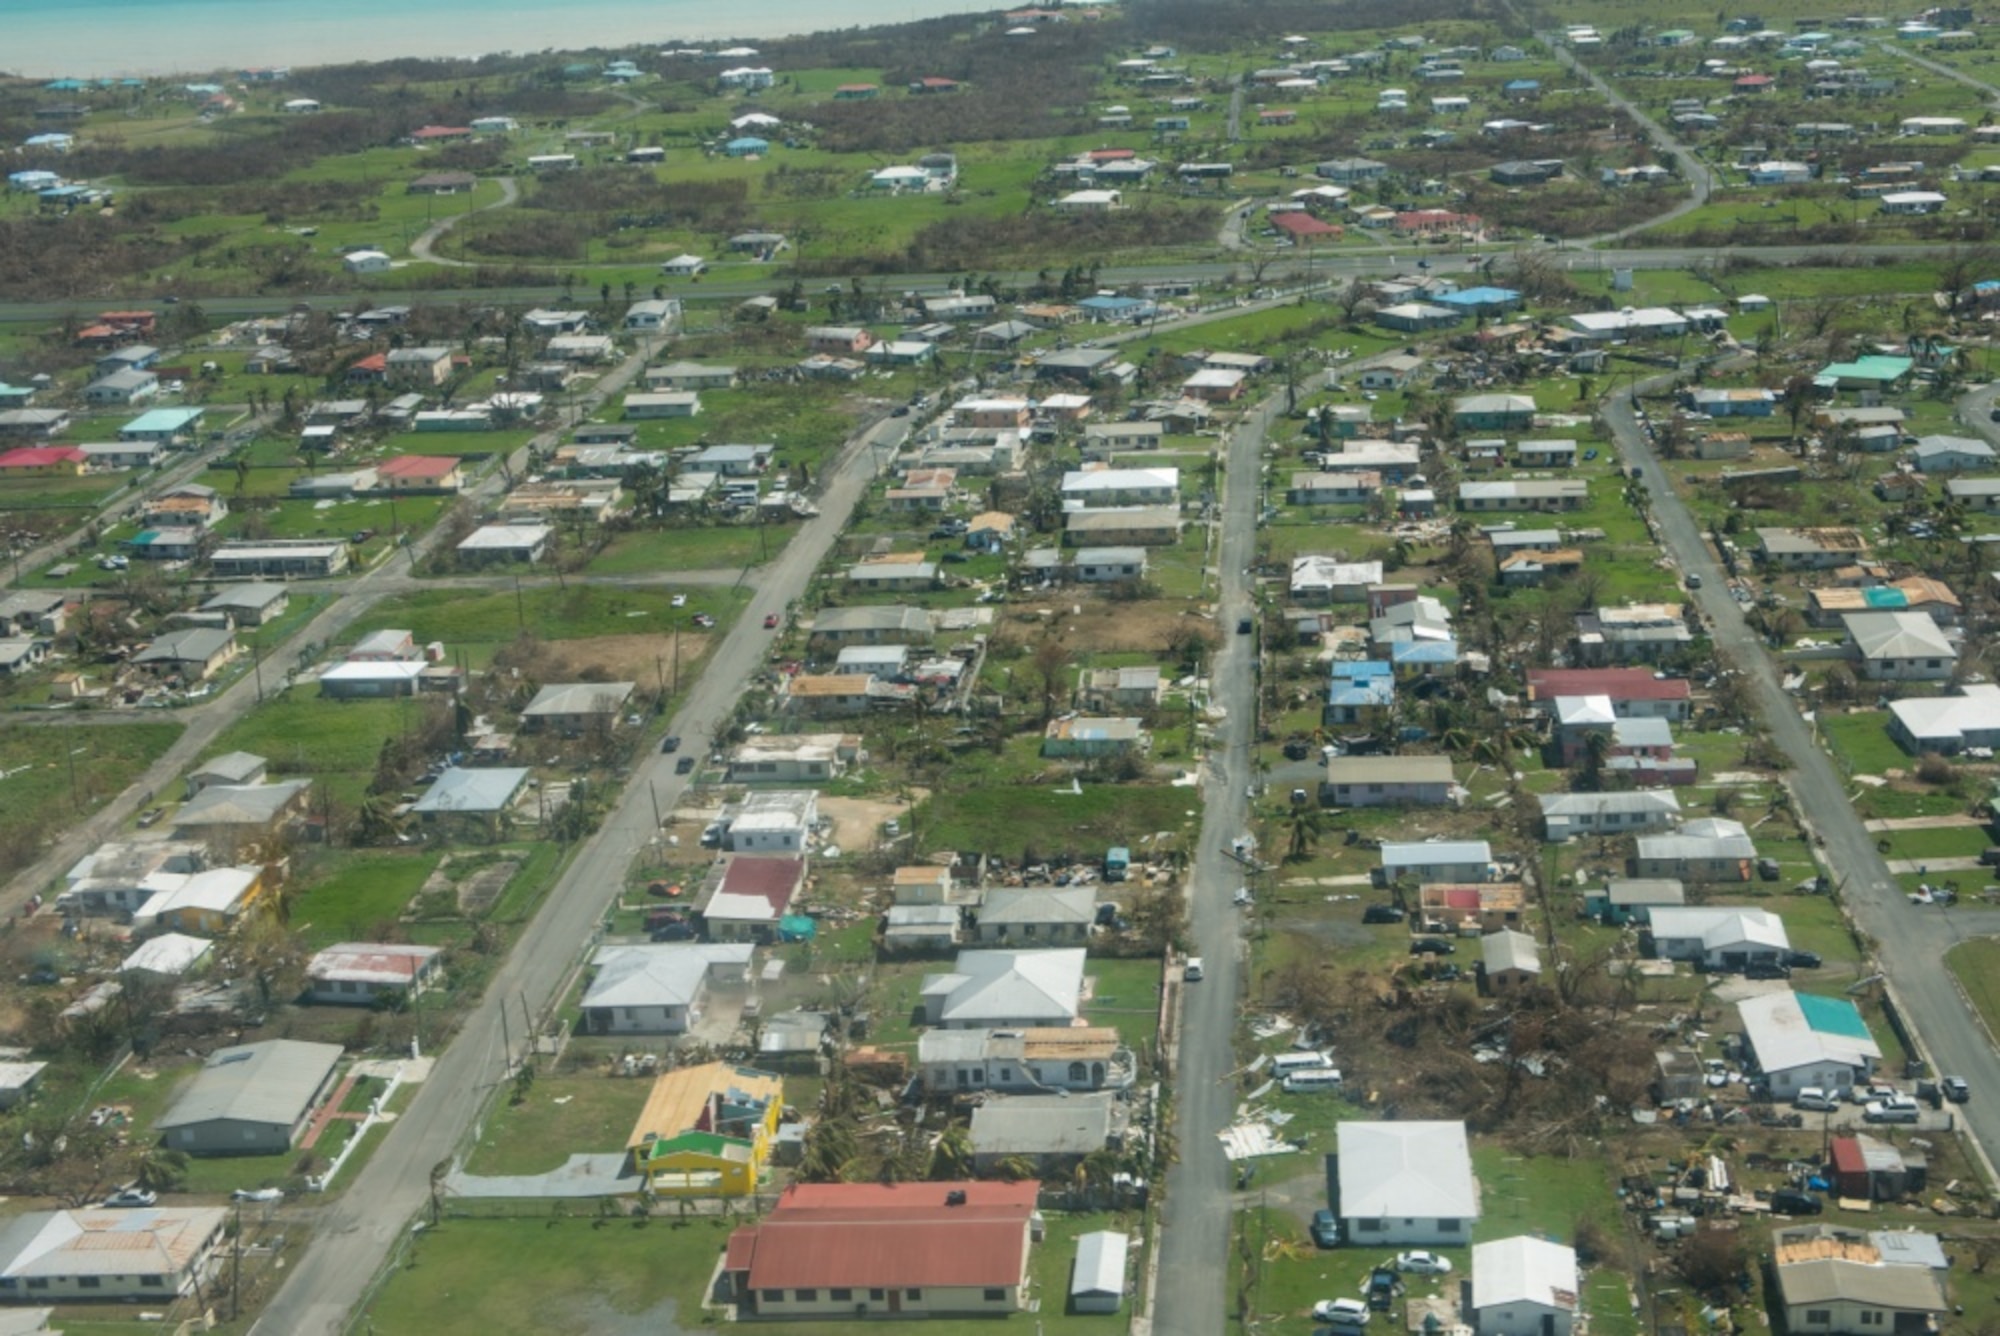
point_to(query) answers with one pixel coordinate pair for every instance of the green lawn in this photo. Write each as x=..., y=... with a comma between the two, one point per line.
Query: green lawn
x=305, y=734
x=458, y=616
x=347, y=896
x=717, y=547
x=1126, y=994
x=1976, y=966
x=1008, y=820
x=1860, y=741
x=50, y=777
x=562, y=1116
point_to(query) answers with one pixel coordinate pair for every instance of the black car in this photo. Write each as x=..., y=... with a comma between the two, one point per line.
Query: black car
x=684, y=765
x=1790, y=1201
x=1244, y=627
x=1381, y=914
x=1767, y=969
x=1382, y=1285
x=1803, y=960
x=1431, y=946
x=671, y=743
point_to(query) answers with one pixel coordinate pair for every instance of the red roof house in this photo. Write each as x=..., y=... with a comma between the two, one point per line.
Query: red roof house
x=431, y=134
x=910, y=1249
x=1303, y=226
x=1111, y=155
x=1431, y=221
x=420, y=473
x=375, y=366
x=752, y=895
x=1627, y=688
x=44, y=459
x=1755, y=83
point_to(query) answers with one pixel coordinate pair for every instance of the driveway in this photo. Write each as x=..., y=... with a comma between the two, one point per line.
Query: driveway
x=580, y=1176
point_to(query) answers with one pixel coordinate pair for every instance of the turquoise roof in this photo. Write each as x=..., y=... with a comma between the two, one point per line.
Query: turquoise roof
x=1833, y=1015
x=1885, y=597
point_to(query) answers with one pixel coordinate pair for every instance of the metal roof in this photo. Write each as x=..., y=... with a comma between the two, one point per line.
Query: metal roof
x=269, y=1082
x=1406, y=1169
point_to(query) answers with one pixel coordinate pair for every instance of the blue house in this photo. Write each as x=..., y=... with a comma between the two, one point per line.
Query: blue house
x=1423, y=658
x=165, y=425
x=1481, y=301
x=748, y=146
x=1521, y=87
x=1361, y=691
x=1116, y=308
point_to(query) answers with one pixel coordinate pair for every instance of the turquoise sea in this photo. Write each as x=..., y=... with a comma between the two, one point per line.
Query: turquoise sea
x=51, y=38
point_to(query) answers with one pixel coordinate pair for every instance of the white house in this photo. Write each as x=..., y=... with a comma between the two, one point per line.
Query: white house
x=1610, y=813
x=1724, y=937
x=658, y=989
x=1406, y=1182
x=1523, y=1286
x=366, y=262
x=1800, y=1040
x=1900, y=647
x=988, y=989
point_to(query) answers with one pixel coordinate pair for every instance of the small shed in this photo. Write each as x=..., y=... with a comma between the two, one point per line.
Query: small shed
x=1098, y=1283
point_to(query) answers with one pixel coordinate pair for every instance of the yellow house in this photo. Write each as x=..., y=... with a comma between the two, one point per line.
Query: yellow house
x=207, y=904
x=706, y=1131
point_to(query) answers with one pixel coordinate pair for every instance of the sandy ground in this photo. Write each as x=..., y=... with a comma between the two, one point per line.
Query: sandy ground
x=634, y=658
x=1101, y=624
x=857, y=822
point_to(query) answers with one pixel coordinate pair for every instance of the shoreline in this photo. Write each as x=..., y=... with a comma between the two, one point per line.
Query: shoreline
x=169, y=39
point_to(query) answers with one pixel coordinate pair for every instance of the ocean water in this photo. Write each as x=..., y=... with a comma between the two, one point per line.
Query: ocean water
x=91, y=38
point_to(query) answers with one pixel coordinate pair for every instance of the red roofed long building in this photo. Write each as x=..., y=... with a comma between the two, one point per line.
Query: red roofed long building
x=902, y=1249
x=1303, y=226
x=1632, y=692
x=420, y=473
x=43, y=459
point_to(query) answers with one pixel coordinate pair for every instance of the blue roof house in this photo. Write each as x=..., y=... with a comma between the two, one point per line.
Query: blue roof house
x=748, y=146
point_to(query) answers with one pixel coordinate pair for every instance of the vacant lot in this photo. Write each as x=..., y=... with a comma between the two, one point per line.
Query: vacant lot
x=1018, y=821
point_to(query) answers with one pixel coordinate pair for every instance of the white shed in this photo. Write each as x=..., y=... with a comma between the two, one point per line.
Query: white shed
x=1098, y=1283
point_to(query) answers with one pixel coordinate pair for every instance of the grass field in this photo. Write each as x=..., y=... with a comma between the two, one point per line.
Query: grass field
x=1976, y=966
x=458, y=616
x=350, y=896
x=1860, y=741
x=51, y=777
x=1009, y=820
x=562, y=1116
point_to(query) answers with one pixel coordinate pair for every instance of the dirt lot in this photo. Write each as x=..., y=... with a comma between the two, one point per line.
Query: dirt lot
x=633, y=658
x=1101, y=624
x=857, y=822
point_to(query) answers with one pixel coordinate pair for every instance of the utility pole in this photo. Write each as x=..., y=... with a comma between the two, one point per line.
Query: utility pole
x=527, y=1024
x=506, y=1046
x=236, y=1267
x=655, y=794
x=520, y=609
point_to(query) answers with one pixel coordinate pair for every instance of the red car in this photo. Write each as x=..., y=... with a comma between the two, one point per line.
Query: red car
x=770, y=621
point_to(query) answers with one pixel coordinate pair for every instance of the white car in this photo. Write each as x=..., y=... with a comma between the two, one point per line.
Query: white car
x=1423, y=1264
x=1348, y=1314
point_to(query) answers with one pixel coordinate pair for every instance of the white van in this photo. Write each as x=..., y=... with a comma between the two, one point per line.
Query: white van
x=1287, y=1063
x=1307, y=1082
x=1814, y=1099
x=1193, y=971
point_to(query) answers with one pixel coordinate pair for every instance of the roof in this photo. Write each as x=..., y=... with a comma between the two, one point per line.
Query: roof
x=1413, y=853
x=1898, y=635
x=1720, y=927
x=1029, y=904
x=1389, y=770
x=419, y=466
x=1976, y=709
x=253, y=595
x=679, y=1099
x=238, y=766
x=156, y=1241
x=1787, y=1030
x=170, y=953
x=1510, y=950
x=879, y=1236
x=1406, y=1169
x=1002, y=986
x=756, y=889
x=1100, y=1264
x=1618, y=683
x=1524, y=1269
x=570, y=698
x=1645, y=891
x=669, y=975
x=240, y=804
x=836, y=621
x=1832, y=1279
x=395, y=964
x=269, y=1082
x=196, y=644
x=374, y=670
x=1640, y=801
x=475, y=792
x=1042, y=1125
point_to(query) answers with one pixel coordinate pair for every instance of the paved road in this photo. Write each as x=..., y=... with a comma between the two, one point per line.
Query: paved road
x=356, y=1232
x=1194, y=1240
x=424, y=247
x=1909, y=940
x=1938, y=67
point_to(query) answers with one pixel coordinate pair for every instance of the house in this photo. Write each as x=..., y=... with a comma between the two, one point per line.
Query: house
x=1951, y=454
x=237, y=767
x=684, y=266
x=1084, y=737
x=1321, y=488
x=1634, y=693
x=220, y=813
x=1913, y=593
x=364, y=973
x=1002, y=989
x=1948, y=724
x=166, y=959
x=423, y=474
x=1351, y=171
x=1094, y=488
x=1869, y=1169
x=1711, y=849
x=153, y=1255
x=107, y=455
x=209, y=902
x=123, y=387
x=793, y=757
x=1051, y=1133
x=366, y=261
x=472, y=801
x=1528, y=494
x=252, y=1099
x=192, y=654
x=751, y=895
x=1422, y=861
x=771, y=821
x=1834, y=1288
x=1718, y=937
x=1097, y=1279
x=119, y=878
x=653, y=315
x=899, y=571
x=1109, y=565
x=1799, y=1040
x=907, y=1249
x=573, y=708
x=691, y=376
x=1565, y=815
x=707, y=1130
x=1472, y=908
x=1024, y=1061
x=1631, y=633
x=1037, y=916
x=1508, y=960
x=371, y=681
x=844, y=340
x=252, y=604
x=1388, y=781
x=1545, y=454
x=502, y=544
x=19, y=1082
x=1405, y=1182
x=921, y=929
x=1319, y=579
x=418, y=368
x=1900, y=647
x=1524, y=1286
x=669, y=404
x=303, y=557
x=889, y=624
x=1493, y=412
x=1626, y=900
x=1122, y=526
x=1137, y=688
x=658, y=989
x=190, y=503
x=1417, y=317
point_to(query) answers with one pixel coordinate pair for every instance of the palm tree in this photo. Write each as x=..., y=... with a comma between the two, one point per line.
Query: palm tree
x=951, y=1158
x=162, y=1170
x=1303, y=825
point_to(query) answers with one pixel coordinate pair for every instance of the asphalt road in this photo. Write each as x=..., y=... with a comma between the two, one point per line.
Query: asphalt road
x=1909, y=941
x=356, y=1232
x=1194, y=1240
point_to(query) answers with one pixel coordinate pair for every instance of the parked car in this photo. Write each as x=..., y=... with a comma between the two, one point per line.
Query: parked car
x=1791, y=1201
x=1955, y=1089
x=671, y=743
x=684, y=765
x=1814, y=1100
x=134, y=1196
x=1423, y=1264
x=1325, y=1229
x=1193, y=972
x=1343, y=1313
x=1381, y=914
x=258, y=1194
x=1431, y=946
x=1872, y=1093
x=1803, y=960
x=1902, y=1109
x=1382, y=1286
x=770, y=621
x=1767, y=969
x=1243, y=626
